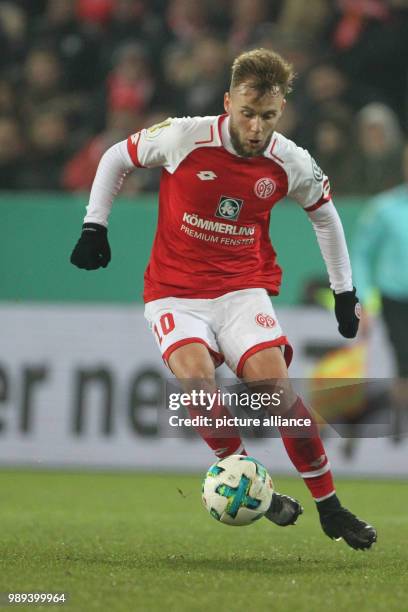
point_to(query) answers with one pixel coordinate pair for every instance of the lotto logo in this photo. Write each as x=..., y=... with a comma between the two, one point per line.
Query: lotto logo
x=318, y=462
x=264, y=188
x=206, y=175
x=264, y=320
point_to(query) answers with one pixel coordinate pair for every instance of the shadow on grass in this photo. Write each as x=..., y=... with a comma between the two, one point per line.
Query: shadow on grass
x=280, y=565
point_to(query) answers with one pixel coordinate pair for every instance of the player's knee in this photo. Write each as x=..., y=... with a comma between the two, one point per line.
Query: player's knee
x=196, y=372
x=266, y=364
x=197, y=378
x=192, y=362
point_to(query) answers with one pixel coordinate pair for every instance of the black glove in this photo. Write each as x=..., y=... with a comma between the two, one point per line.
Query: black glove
x=92, y=250
x=347, y=310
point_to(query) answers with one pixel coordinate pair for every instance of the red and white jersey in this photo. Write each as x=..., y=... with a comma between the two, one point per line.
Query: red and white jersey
x=214, y=206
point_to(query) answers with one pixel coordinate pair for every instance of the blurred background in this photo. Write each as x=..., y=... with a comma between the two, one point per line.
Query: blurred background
x=79, y=75
x=80, y=377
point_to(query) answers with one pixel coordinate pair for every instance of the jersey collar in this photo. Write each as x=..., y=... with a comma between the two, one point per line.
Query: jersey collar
x=225, y=137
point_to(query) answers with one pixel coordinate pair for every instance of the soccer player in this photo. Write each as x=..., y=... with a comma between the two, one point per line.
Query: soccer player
x=213, y=268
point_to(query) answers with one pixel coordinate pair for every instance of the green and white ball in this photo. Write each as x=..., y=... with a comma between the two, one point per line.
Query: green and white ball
x=237, y=490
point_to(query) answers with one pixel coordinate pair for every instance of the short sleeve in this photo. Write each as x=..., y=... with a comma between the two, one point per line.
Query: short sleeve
x=307, y=183
x=160, y=144
x=156, y=145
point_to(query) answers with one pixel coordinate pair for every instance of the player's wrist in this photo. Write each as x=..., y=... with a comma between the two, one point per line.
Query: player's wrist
x=90, y=228
x=345, y=293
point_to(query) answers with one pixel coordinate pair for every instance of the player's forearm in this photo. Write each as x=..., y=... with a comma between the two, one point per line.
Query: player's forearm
x=114, y=165
x=332, y=242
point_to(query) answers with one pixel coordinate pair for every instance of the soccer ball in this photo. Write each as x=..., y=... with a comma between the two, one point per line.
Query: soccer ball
x=237, y=490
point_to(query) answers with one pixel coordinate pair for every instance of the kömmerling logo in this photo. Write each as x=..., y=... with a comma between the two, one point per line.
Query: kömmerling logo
x=229, y=208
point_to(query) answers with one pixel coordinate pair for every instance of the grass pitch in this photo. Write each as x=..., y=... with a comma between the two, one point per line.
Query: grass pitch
x=143, y=542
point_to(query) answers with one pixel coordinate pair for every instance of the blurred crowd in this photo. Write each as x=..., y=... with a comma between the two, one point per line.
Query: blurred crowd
x=78, y=75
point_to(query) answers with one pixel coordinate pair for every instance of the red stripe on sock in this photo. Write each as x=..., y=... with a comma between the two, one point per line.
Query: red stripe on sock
x=321, y=486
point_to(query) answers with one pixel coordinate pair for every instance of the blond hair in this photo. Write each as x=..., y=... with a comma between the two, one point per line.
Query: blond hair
x=262, y=70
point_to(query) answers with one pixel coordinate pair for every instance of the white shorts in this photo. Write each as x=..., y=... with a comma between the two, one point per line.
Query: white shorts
x=232, y=327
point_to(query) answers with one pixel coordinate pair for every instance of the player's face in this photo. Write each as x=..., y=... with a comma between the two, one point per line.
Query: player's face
x=253, y=119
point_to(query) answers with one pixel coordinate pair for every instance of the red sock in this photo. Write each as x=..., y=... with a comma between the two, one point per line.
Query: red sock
x=224, y=441
x=306, y=451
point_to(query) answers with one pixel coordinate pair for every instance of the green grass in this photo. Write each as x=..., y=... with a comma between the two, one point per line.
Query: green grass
x=144, y=543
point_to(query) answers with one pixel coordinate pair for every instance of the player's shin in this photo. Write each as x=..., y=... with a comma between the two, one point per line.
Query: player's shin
x=306, y=451
x=223, y=439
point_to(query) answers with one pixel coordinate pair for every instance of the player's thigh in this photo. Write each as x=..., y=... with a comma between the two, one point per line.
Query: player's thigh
x=250, y=326
x=175, y=325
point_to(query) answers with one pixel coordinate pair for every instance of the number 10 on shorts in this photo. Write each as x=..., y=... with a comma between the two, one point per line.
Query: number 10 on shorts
x=166, y=325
